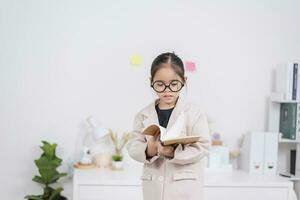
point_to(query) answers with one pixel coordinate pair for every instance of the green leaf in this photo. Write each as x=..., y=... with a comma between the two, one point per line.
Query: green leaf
x=47, y=168
x=44, y=162
x=117, y=157
x=57, y=176
x=39, y=179
x=34, y=197
x=56, y=193
x=47, y=192
x=49, y=149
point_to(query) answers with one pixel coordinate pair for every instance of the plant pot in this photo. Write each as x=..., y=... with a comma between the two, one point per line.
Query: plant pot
x=117, y=165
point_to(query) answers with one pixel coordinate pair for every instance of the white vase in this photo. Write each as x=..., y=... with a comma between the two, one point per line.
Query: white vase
x=117, y=165
x=102, y=160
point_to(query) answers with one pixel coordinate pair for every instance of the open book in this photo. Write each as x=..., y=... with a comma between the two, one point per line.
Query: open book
x=173, y=135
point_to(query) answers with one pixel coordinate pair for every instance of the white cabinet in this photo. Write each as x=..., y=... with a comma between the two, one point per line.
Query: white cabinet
x=240, y=185
x=105, y=192
x=245, y=193
x=98, y=184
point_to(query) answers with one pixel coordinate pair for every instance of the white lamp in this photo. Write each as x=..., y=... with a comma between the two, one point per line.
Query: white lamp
x=98, y=132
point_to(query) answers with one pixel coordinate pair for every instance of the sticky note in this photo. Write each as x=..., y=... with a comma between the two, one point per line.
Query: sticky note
x=190, y=66
x=136, y=60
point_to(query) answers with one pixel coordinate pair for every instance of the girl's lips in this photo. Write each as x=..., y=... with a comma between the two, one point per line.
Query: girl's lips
x=167, y=96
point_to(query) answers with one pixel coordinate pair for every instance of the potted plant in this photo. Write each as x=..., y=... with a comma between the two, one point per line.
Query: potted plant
x=47, y=165
x=117, y=157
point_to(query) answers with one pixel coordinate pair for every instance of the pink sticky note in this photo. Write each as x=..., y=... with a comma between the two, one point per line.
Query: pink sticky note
x=190, y=66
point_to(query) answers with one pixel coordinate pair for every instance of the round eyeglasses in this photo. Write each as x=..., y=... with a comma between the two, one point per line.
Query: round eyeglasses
x=160, y=86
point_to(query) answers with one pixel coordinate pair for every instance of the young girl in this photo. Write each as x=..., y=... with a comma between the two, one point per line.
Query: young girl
x=170, y=172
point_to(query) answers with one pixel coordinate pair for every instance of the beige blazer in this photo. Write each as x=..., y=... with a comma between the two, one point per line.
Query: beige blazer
x=179, y=178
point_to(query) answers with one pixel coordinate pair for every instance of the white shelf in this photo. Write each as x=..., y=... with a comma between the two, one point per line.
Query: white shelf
x=291, y=178
x=285, y=145
x=285, y=101
x=294, y=178
x=283, y=140
x=277, y=98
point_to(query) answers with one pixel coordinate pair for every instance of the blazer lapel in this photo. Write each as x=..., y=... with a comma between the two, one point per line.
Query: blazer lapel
x=179, y=107
x=150, y=115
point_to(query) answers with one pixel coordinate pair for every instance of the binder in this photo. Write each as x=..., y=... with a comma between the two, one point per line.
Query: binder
x=287, y=81
x=259, y=152
x=252, y=153
x=283, y=81
x=270, y=152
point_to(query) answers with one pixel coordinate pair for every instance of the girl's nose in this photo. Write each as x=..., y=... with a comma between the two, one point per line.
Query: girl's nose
x=167, y=89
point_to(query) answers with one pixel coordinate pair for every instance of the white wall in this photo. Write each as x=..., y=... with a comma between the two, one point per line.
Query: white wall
x=63, y=60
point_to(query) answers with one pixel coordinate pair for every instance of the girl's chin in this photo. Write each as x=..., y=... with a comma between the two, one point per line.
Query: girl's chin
x=168, y=100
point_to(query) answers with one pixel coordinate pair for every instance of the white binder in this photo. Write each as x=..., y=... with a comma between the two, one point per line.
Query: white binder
x=259, y=152
x=270, y=152
x=252, y=153
x=284, y=75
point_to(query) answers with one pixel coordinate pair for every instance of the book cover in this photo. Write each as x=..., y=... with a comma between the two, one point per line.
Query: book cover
x=298, y=122
x=288, y=120
x=293, y=156
x=284, y=81
x=298, y=83
x=295, y=79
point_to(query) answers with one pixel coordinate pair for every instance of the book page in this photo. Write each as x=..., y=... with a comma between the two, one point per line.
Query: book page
x=176, y=129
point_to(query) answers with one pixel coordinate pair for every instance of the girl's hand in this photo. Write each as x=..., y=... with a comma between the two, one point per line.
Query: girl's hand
x=152, y=146
x=167, y=151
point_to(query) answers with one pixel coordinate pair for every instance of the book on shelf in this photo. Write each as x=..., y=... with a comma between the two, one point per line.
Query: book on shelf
x=293, y=161
x=173, y=135
x=287, y=81
x=289, y=120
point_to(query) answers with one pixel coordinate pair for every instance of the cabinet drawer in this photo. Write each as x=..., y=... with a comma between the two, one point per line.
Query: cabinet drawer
x=110, y=192
x=246, y=193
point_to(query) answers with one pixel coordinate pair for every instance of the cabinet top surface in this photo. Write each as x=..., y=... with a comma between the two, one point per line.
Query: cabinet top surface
x=236, y=178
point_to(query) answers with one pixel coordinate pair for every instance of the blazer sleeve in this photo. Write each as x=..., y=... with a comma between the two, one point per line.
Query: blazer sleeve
x=137, y=145
x=190, y=153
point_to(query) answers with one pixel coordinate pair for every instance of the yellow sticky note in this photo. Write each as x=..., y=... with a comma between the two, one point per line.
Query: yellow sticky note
x=136, y=60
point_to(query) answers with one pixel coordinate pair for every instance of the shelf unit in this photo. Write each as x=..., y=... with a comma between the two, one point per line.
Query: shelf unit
x=285, y=145
x=284, y=140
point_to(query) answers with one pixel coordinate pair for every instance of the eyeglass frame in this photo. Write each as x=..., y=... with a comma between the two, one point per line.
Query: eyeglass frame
x=167, y=86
